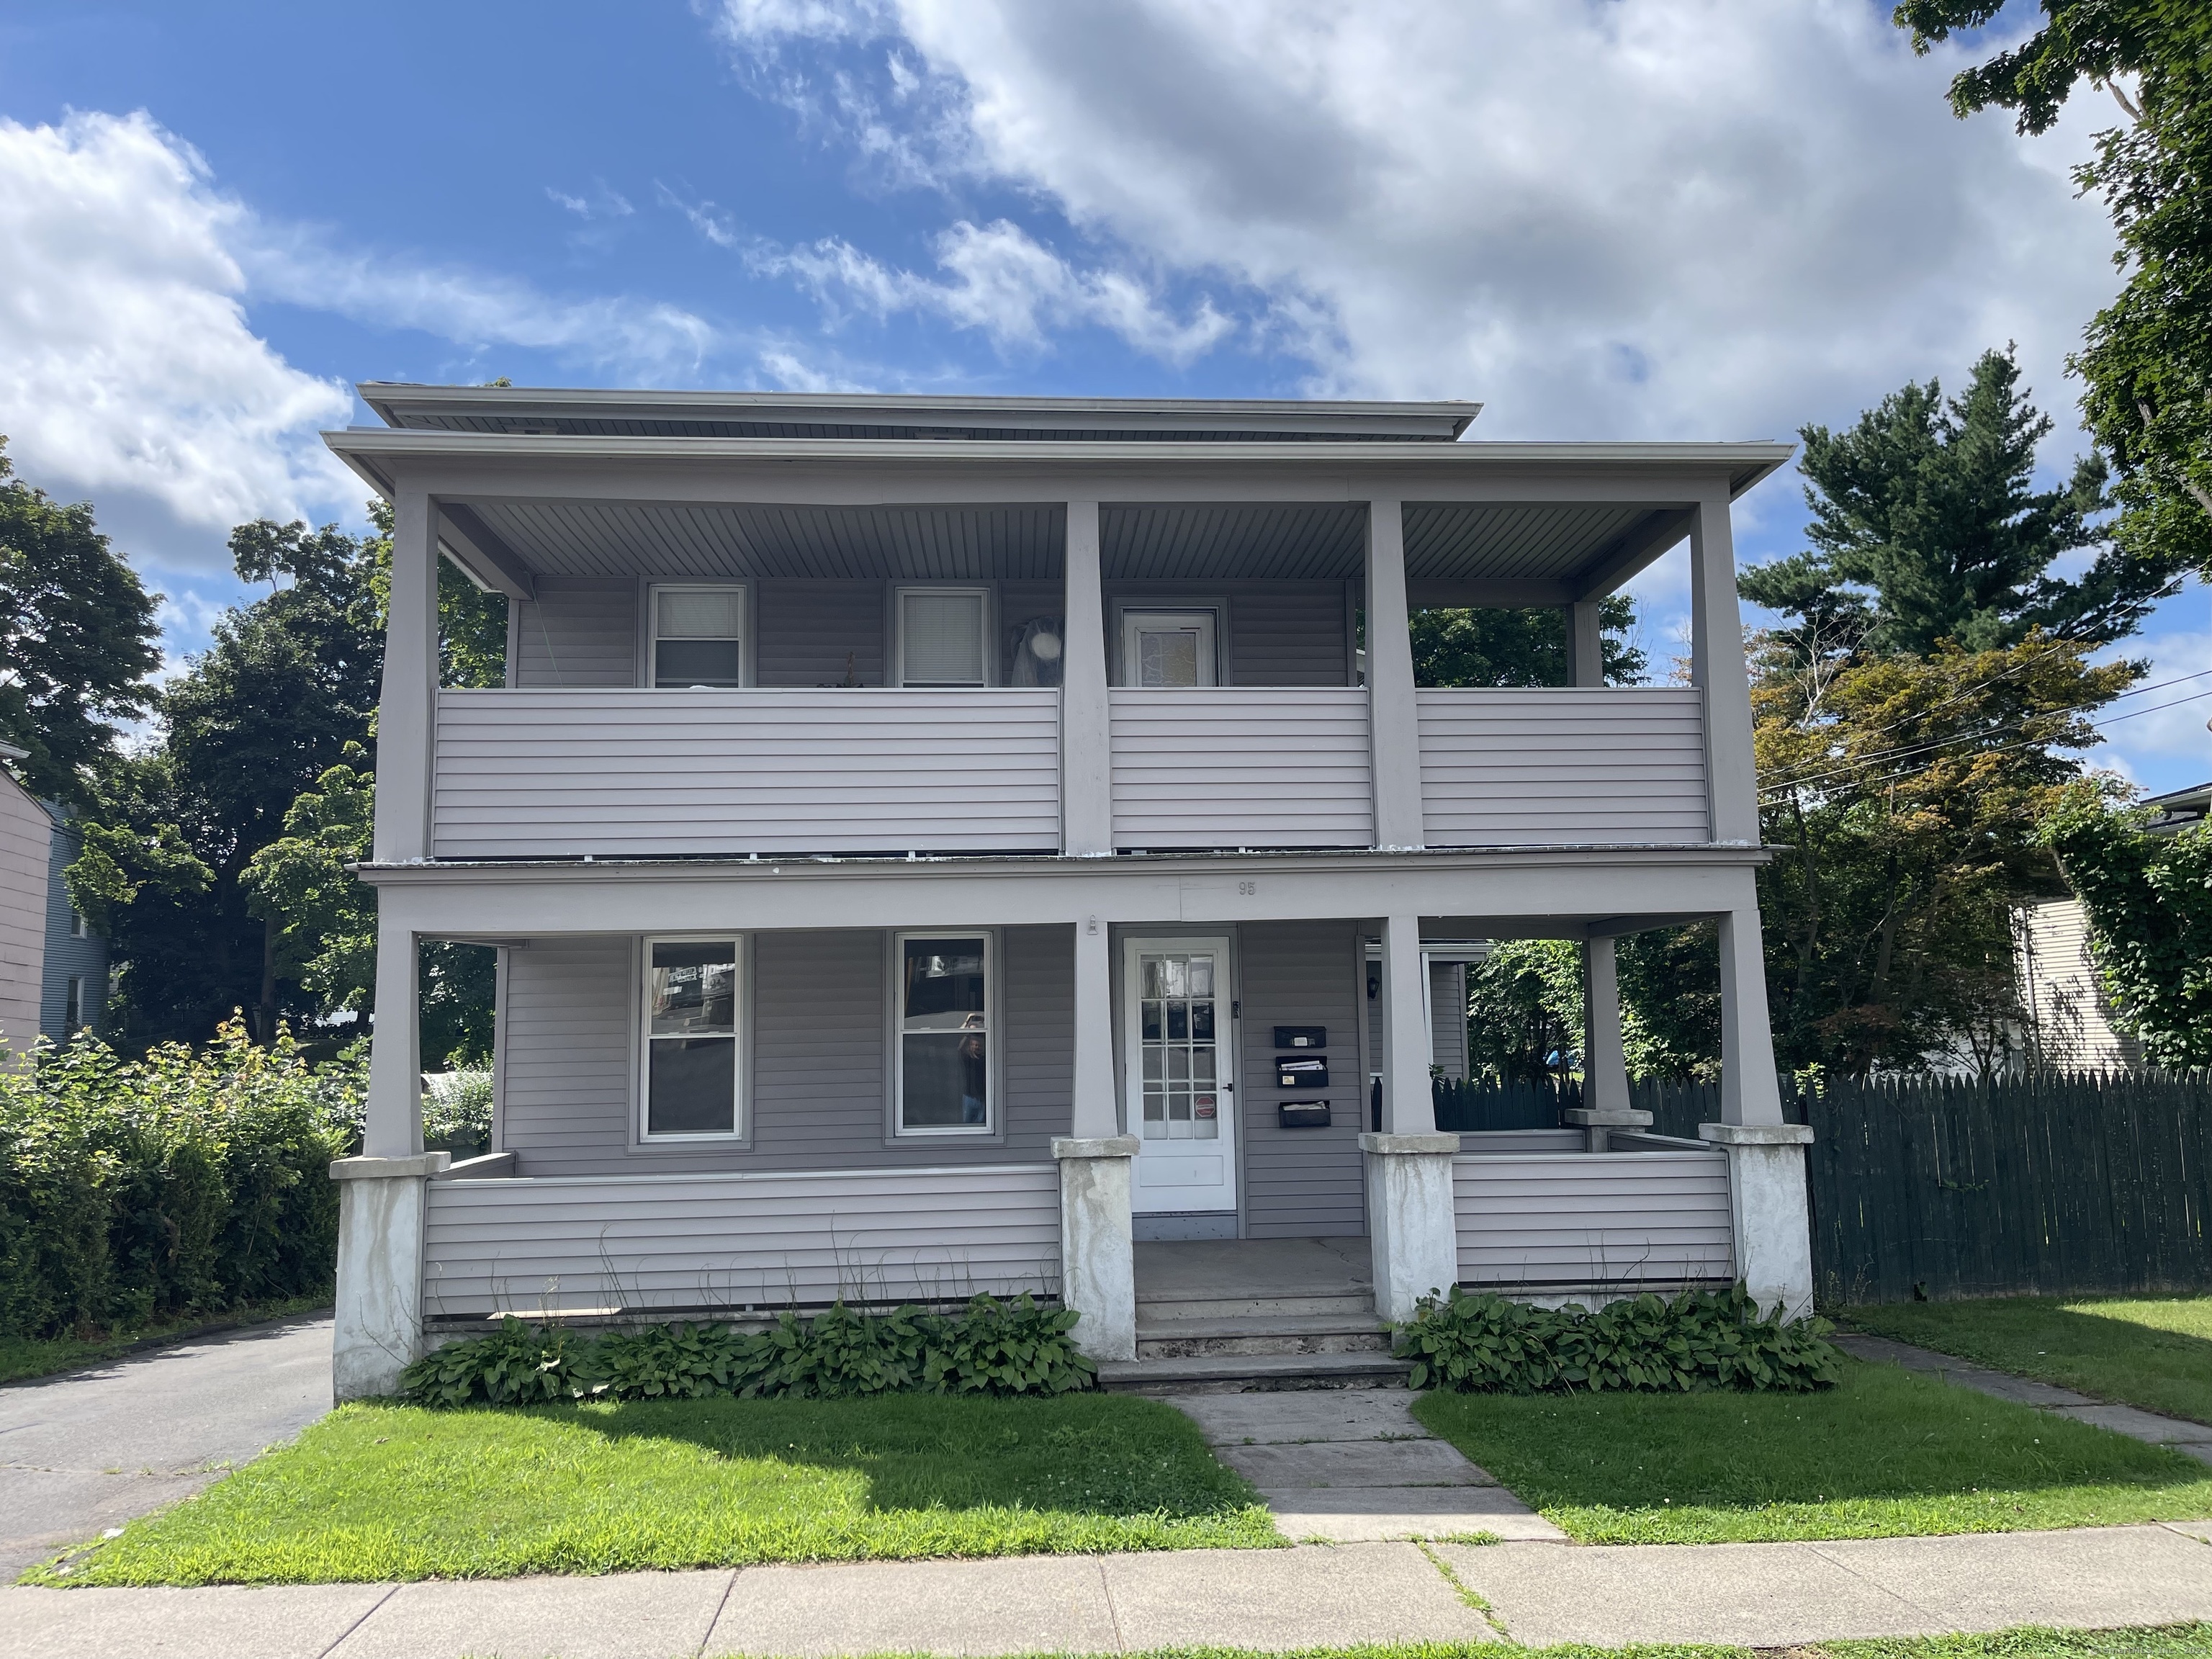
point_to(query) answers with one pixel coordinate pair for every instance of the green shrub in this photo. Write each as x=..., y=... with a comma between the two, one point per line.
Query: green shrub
x=990, y=1347
x=1696, y=1340
x=186, y=1182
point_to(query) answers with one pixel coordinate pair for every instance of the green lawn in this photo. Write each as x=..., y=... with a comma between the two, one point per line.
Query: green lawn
x=1887, y=1454
x=397, y=1492
x=2151, y=1352
x=22, y=1358
x=2165, y=1641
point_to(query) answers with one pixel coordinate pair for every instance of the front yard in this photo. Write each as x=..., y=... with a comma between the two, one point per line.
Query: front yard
x=2151, y=1352
x=375, y=1492
x=1885, y=1455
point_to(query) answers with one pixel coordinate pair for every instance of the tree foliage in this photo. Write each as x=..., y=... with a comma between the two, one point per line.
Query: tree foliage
x=78, y=639
x=2149, y=900
x=2146, y=360
x=1515, y=647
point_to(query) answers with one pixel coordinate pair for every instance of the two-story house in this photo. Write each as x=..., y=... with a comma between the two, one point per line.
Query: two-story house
x=936, y=844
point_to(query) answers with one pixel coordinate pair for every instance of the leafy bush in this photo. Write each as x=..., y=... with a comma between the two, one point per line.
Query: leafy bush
x=991, y=1347
x=457, y=1112
x=1697, y=1340
x=183, y=1183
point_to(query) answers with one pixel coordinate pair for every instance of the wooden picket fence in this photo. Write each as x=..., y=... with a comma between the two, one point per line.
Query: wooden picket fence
x=1939, y=1188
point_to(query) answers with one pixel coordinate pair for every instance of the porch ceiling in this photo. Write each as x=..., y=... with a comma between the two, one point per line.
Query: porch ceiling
x=1446, y=542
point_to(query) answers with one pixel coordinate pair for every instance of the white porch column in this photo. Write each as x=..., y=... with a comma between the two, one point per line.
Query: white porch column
x=1585, y=645
x=1096, y=1116
x=1392, y=718
x=1716, y=668
x=1749, y=1093
x=1605, y=1063
x=407, y=705
x=1411, y=1235
x=1086, y=779
x=393, y=1128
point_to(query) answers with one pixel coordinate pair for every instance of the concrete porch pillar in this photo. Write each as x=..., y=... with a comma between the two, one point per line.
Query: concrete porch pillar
x=378, y=1331
x=1411, y=1227
x=1097, y=1248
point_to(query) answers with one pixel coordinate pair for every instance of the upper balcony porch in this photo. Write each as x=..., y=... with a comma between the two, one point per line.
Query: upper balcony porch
x=725, y=641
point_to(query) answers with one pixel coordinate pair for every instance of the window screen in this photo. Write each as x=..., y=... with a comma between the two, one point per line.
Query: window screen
x=941, y=638
x=691, y=1038
x=944, y=1060
x=698, y=636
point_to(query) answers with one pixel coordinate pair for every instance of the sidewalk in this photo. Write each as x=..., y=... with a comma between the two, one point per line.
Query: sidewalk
x=1763, y=1595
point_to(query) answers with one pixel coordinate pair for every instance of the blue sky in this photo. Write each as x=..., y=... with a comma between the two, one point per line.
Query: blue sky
x=1611, y=218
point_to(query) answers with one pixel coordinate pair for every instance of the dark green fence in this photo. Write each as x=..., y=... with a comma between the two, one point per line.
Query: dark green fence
x=1942, y=1186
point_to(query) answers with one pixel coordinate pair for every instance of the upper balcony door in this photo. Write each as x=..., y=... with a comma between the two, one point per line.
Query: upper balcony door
x=1168, y=648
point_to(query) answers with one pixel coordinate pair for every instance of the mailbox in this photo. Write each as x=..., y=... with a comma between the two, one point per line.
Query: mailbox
x=1302, y=1036
x=1301, y=1072
x=1303, y=1113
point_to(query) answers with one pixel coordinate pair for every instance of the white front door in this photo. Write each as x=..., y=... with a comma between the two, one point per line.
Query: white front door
x=1179, y=1062
x=1167, y=648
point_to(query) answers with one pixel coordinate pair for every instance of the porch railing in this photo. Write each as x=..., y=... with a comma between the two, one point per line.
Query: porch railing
x=726, y=1244
x=1233, y=766
x=1555, y=1220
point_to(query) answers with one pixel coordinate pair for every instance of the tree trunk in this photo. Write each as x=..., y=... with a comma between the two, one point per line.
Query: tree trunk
x=264, y=1020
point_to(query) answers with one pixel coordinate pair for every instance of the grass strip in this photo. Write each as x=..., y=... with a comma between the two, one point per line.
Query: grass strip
x=24, y=1358
x=2151, y=1352
x=379, y=1492
x=1885, y=1455
x=2160, y=1642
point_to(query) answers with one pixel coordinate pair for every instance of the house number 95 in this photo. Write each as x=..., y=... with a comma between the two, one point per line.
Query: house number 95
x=1246, y=888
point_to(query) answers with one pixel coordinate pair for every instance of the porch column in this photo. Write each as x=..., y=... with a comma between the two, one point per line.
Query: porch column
x=1585, y=645
x=1717, y=669
x=1392, y=718
x=1086, y=780
x=1767, y=1203
x=1096, y=1116
x=407, y=705
x=1410, y=1226
x=1097, y=1250
x=379, y=1327
x=1606, y=1105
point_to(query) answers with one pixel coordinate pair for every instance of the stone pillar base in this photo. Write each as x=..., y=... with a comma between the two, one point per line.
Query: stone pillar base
x=1597, y=1123
x=1409, y=1225
x=1766, y=1201
x=379, y=1331
x=1098, y=1250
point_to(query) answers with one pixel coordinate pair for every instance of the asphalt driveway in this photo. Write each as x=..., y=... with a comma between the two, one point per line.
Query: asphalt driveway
x=84, y=1452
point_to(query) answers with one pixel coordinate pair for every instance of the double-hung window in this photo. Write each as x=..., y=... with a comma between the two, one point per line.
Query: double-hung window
x=693, y=1001
x=943, y=634
x=698, y=636
x=944, y=1016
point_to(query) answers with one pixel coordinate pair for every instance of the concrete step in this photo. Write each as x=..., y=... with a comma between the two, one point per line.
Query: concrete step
x=1294, y=1333
x=1231, y=1305
x=1253, y=1373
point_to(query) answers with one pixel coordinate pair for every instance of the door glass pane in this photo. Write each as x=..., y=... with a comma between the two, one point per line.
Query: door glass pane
x=941, y=638
x=692, y=1085
x=692, y=988
x=943, y=1046
x=1180, y=1058
x=1167, y=656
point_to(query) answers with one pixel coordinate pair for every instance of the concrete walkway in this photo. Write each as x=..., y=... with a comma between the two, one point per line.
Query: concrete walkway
x=1314, y=1596
x=2183, y=1435
x=86, y=1451
x=1354, y=1466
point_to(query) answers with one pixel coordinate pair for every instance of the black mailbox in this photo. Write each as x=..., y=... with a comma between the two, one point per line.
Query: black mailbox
x=1301, y=1072
x=1302, y=1036
x=1303, y=1113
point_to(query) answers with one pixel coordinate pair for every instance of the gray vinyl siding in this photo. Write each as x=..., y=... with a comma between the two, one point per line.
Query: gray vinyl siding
x=1289, y=634
x=1583, y=766
x=26, y=854
x=1568, y=1219
x=68, y=956
x=542, y=773
x=577, y=632
x=734, y=1241
x=1301, y=1183
x=806, y=630
x=1447, y=1018
x=819, y=1077
x=1220, y=767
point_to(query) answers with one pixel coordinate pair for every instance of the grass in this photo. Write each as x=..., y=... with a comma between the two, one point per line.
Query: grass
x=2163, y=1642
x=1885, y=1455
x=22, y=1358
x=379, y=1492
x=2151, y=1352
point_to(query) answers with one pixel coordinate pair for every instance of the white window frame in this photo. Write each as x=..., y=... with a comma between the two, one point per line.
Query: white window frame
x=746, y=670
x=993, y=1033
x=79, y=927
x=740, y=1036
x=1125, y=671
x=74, y=1020
x=988, y=595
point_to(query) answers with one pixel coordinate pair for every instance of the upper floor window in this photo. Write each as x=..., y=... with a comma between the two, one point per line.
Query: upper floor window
x=79, y=927
x=943, y=632
x=692, y=1000
x=698, y=636
x=1167, y=647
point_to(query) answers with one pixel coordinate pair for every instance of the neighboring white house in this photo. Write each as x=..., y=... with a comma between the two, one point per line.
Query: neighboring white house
x=932, y=845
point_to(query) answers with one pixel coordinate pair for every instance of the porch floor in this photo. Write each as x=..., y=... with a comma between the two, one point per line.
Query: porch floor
x=1253, y=1269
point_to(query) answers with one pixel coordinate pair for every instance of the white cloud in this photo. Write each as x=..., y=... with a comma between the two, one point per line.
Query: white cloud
x=1708, y=217
x=1003, y=282
x=2159, y=733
